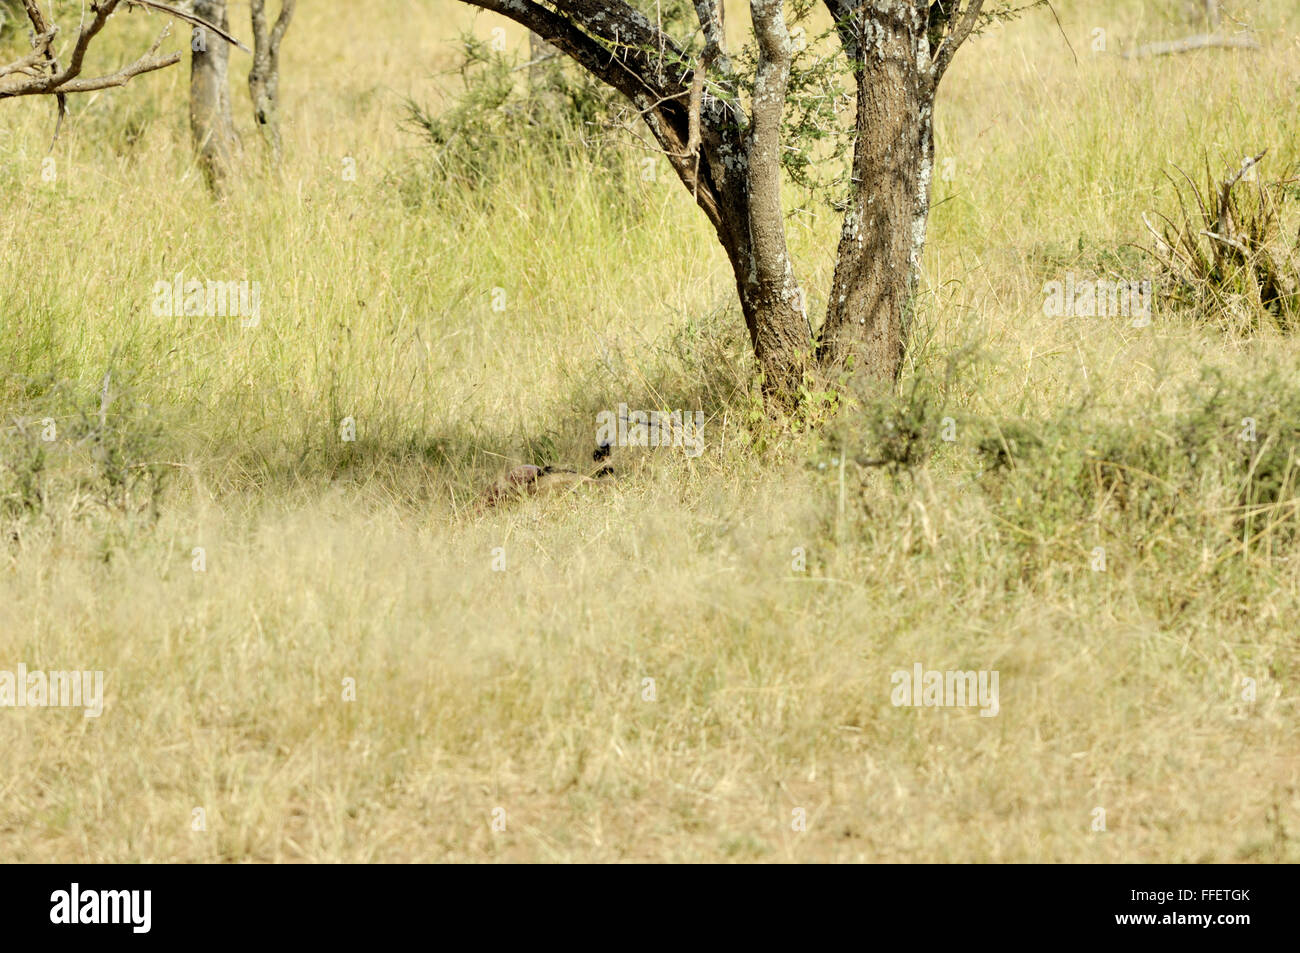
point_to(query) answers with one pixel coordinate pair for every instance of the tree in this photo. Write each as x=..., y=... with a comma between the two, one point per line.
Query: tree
x=212, y=124
x=728, y=154
x=212, y=127
x=40, y=72
x=264, y=76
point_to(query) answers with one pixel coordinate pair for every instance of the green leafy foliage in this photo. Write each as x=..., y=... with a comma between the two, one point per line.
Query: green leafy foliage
x=497, y=121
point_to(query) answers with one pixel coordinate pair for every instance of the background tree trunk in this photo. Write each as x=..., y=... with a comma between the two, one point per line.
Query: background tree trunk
x=211, y=125
x=1212, y=14
x=264, y=74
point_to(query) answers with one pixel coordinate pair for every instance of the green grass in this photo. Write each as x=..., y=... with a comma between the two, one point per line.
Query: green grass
x=524, y=689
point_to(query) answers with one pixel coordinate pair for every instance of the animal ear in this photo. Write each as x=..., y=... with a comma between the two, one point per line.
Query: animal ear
x=601, y=453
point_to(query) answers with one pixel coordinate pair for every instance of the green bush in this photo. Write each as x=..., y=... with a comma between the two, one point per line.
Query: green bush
x=498, y=123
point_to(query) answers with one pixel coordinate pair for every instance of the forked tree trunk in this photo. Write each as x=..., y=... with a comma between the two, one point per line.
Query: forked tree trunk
x=735, y=176
x=211, y=125
x=264, y=74
x=731, y=162
x=769, y=292
x=879, y=255
x=878, y=258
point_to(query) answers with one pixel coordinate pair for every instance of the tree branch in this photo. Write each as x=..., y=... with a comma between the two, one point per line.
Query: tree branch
x=848, y=23
x=189, y=18
x=44, y=76
x=959, y=25
x=612, y=47
x=1201, y=41
x=706, y=11
x=145, y=64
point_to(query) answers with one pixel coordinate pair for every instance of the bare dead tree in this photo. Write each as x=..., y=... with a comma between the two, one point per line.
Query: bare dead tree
x=41, y=73
x=729, y=158
x=264, y=76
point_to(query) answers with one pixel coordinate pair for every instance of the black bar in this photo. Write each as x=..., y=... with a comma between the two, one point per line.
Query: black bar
x=945, y=905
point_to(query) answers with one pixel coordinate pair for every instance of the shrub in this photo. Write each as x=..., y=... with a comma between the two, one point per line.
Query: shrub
x=498, y=121
x=1228, y=254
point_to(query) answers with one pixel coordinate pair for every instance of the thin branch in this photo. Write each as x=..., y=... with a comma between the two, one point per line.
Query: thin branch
x=957, y=35
x=147, y=63
x=1201, y=41
x=1230, y=242
x=190, y=18
x=41, y=45
x=43, y=75
x=531, y=63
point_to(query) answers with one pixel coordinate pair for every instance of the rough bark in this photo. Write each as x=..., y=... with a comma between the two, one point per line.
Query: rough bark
x=211, y=125
x=782, y=337
x=264, y=74
x=900, y=50
x=883, y=235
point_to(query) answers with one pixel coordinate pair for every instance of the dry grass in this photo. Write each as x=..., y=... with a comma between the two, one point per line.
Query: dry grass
x=524, y=689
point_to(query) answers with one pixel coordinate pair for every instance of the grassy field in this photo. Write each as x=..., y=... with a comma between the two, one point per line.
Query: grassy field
x=500, y=661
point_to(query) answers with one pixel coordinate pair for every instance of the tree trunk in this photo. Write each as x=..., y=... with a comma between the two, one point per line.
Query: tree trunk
x=264, y=74
x=879, y=254
x=775, y=318
x=735, y=176
x=211, y=125
x=770, y=294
